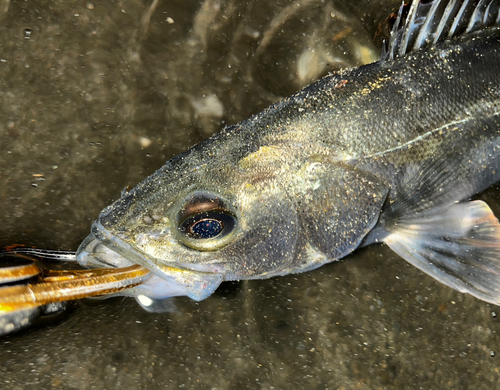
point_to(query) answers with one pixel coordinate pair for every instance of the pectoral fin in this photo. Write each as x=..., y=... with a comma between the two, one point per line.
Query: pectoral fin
x=459, y=245
x=428, y=220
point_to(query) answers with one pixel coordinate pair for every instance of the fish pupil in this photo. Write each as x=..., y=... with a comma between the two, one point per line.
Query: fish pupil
x=206, y=228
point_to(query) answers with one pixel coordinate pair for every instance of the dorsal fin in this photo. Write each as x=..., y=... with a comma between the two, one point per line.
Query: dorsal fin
x=422, y=23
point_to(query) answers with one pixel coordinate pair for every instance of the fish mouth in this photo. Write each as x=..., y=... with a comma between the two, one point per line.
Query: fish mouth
x=103, y=249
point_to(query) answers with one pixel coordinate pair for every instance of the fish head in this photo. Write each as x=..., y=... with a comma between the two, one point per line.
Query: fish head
x=231, y=209
x=204, y=217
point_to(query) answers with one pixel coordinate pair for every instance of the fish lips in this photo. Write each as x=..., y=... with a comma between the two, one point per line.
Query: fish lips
x=101, y=248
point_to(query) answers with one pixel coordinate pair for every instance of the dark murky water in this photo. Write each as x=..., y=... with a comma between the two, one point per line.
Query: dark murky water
x=94, y=97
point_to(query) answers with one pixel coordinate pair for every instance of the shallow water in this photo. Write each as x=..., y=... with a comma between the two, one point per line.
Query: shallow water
x=95, y=97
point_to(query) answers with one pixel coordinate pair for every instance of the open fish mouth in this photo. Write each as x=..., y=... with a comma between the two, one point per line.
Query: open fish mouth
x=103, y=249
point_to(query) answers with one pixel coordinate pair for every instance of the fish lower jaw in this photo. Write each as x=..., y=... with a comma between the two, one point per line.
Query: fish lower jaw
x=102, y=249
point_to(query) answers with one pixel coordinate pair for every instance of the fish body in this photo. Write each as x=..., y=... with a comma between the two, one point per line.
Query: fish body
x=388, y=152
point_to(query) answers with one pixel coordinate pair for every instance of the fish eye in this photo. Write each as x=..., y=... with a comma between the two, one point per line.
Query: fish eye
x=207, y=225
x=206, y=228
x=205, y=221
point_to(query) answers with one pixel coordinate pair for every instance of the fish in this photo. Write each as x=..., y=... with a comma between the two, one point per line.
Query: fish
x=391, y=152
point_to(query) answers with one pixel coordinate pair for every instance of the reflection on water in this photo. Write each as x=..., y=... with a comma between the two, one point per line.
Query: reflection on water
x=94, y=97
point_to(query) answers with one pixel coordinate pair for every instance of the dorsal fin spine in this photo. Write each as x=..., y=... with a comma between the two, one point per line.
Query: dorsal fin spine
x=394, y=34
x=458, y=18
x=408, y=29
x=424, y=32
x=487, y=13
x=478, y=16
x=444, y=19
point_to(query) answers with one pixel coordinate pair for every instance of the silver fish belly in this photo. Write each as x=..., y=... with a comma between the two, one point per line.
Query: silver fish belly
x=389, y=152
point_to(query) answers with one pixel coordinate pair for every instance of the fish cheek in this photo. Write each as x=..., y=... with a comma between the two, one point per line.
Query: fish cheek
x=267, y=242
x=337, y=205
